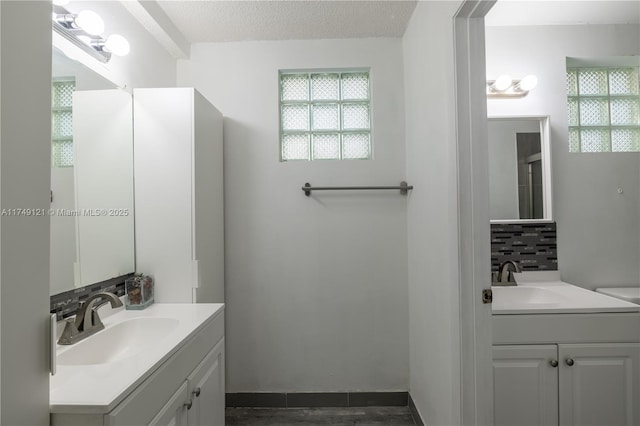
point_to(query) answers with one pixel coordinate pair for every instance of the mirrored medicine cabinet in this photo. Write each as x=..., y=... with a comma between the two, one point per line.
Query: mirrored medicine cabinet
x=519, y=169
x=91, y=211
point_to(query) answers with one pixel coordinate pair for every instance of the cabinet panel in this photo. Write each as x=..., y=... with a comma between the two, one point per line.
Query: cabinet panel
x=208, y=205
x=207, y=390
x=173, y=413
x=162, y=157
x=525, y=385
x=600, y=384
x=178, y=155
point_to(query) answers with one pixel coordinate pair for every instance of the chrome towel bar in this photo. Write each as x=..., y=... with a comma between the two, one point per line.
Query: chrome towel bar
x=403, y=187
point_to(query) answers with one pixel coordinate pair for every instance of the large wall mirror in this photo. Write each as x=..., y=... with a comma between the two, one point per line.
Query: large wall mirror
x=92, y=235
x=519, y=169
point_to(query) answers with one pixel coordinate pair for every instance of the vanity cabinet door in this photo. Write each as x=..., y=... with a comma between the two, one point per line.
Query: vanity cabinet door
x=207, y=392
x=525, y=385
x=174, y=412
x=600, y=384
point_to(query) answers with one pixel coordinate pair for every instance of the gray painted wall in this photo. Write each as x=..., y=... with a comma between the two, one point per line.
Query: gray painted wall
x=598, y=229
x=316, y=288
x=432, y=213
x=25, y=120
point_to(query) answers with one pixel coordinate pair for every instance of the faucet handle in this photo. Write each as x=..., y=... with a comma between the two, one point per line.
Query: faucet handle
x=69, y=333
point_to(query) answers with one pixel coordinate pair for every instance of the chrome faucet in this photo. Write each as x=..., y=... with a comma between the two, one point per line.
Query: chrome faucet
x=504, y=276
x=87, y=321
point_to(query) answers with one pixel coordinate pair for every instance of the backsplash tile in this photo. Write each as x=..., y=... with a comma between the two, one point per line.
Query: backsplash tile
x=532, y=245
x=66, y=304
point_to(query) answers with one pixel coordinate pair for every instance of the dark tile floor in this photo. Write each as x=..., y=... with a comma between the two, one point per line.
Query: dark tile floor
x=361, y=416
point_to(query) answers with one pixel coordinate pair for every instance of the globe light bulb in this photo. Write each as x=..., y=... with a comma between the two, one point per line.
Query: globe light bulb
x=502, y=83
x=117, y=44
x=528, y=83
x=90, y=22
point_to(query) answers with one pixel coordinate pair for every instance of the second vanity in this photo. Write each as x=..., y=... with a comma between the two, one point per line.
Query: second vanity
x=159, y=366
x=564, y=355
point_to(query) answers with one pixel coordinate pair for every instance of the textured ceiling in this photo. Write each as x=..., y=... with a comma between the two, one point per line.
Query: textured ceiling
x=573, y=12
x=218, y=20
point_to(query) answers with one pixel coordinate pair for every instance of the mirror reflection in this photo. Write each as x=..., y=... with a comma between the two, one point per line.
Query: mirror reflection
x=91, y=178
x=519, y=169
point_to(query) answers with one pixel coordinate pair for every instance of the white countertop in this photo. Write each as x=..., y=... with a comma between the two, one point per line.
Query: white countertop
x=545, y=293
x=630, y=294
x=98, y=388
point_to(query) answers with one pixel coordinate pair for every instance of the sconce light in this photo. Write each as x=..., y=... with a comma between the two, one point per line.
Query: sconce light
x=505, y=87
x=84, y=31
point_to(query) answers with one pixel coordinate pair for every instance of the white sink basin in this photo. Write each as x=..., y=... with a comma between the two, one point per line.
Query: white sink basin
x=119, y=341
x=97, y=373
x=545, y=293
x=526, y=296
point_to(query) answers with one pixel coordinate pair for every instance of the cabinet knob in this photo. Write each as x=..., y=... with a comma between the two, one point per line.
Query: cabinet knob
x=196, y=392
x=553, y=363
x=188, y=404
x=569, y=361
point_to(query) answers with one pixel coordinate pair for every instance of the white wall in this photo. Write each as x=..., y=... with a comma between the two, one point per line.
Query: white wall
x=316, y=288
x=503, y=166
x=598, y=229
x=432, y=212
x=25, y=122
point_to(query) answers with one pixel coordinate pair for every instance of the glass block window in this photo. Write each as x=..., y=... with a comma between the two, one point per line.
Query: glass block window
x=325, y=115
x=603, y=105
x=62, y=122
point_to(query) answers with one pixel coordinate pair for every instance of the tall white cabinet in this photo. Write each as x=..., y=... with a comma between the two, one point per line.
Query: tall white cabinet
x=179, y=213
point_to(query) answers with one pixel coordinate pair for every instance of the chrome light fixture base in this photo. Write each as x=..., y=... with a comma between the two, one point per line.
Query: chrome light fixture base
x=72, y=36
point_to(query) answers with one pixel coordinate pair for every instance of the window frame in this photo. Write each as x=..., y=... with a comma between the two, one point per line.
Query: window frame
x=57, y=109
x=310, y=103
x=577, y=129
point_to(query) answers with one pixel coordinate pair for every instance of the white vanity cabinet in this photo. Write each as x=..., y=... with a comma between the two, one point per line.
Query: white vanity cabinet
x=525, y=385
x=206, y=387
x=186, y=388
x=178, y=171
x=599, y=384
x=199, y=401
x=568, y=384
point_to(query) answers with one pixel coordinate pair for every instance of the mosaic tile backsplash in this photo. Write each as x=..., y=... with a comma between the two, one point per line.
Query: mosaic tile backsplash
x=66, y=304
x=532, y=245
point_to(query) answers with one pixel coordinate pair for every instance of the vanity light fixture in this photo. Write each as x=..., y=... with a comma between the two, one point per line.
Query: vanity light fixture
x=504, y=87
x=84, y=31
x=87, y=21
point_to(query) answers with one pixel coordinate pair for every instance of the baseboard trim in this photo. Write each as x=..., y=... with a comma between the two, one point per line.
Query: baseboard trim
x=414, y=412
x=317, y=399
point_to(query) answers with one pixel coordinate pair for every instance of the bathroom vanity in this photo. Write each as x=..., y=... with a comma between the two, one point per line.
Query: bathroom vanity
x=160, y=366
x=564, y=355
